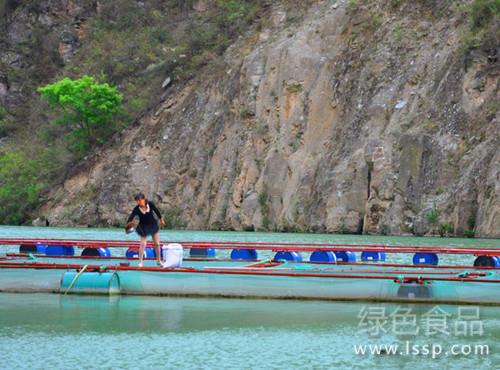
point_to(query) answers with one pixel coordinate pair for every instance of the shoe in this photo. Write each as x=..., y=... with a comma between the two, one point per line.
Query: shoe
x=139, y=264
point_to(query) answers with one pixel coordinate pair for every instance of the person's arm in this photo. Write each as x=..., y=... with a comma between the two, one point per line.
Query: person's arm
x=155, y=210
x=132, y=215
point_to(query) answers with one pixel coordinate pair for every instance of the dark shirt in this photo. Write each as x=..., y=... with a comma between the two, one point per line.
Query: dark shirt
x=145, y=219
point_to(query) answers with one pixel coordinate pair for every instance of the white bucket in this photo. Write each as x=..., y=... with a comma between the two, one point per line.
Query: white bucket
x=172, y=255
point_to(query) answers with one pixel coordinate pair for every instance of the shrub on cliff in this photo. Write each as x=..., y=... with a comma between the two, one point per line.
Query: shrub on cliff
x=19, y=187
x=445, y=229
x=484, y=16
x=88, y=107
x=481, y=12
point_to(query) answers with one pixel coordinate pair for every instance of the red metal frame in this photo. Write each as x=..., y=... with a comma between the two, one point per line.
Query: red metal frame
x=123, y=258
x=241, y=271
x=264, y=264
x=276, y=247
x=372, y=264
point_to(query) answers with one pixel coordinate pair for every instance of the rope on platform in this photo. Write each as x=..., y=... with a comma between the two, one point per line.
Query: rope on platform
x=75, y=279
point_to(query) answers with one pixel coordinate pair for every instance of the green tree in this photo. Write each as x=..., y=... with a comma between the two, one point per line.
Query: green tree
x=88, y=107
x=19, y=187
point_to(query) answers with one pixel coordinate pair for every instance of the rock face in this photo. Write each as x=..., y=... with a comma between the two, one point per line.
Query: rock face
x=352, y=120
x=38, y=39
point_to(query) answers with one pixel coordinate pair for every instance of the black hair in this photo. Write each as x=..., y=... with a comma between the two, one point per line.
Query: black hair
x=139, y=195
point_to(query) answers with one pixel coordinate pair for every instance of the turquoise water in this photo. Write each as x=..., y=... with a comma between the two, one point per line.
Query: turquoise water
x=40, y=331
x=190, y=235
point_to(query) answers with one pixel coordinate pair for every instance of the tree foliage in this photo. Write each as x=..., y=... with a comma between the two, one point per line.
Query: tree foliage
x=19, y=187
x=88, y=107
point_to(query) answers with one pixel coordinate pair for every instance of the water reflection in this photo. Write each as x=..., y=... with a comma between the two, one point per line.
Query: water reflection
x=215, y=333
x=128, y=314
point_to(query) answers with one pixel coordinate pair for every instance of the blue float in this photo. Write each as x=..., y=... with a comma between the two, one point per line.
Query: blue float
x=59, y=250
x=373, y=256
x=202, y=252
x=425, y=259
x=90, y=282
x=39, y=248
x=345, y=256
x=288, y=256
x=244, y=254
x=134, y=253
x=96, y=252
x=323, y=256
x=489, y=261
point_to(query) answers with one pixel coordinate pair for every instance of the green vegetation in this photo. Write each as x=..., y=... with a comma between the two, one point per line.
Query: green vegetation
x=245, y=113
x=264, y=209
x=352, y=5
x=343, y=229
x=468, y=233
x=481, y=12
x=398, y=33
x=88, y=107
x=396, y=3
x=258, y=163
x=146, y=44
x=376, y=21
x=234, y=15
x=262, y=199
x=484, y=31
x=471, y=223
x=432, y=216
x=19, y=187
x=294, y=87
x=173, y=218
x=4, y=125
x=137, y=46
x=265, y=222
x=445, y=229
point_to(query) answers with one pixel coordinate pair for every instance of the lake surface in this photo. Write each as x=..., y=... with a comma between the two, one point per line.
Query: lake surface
x=43, y=331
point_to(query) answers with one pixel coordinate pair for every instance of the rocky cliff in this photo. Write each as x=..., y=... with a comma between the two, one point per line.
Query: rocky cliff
x=359, y=116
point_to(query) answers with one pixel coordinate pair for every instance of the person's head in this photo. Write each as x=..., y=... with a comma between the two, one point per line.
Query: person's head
x=140, y=198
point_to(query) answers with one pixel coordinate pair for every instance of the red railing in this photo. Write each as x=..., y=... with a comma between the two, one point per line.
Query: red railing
x=285, y=247
x=256, y=272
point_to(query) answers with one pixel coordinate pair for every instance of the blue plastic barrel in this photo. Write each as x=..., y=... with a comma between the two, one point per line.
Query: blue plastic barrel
x=244, y=254
x=345, y=256
x=91, y=283
x=96, y=252
x=487, y=261
x=59, y=250
x=134, y=253
x=323, y=256
x=39, y=248
x=373, y=256
x=202, y=252
x=425, y=259
x=288, y=256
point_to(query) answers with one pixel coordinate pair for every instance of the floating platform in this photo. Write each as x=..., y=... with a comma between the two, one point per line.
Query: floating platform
x=326, y=275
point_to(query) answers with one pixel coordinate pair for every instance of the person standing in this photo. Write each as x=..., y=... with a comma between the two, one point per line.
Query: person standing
x=148, y=225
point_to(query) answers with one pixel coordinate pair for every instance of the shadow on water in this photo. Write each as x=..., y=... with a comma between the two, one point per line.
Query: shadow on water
x=164, y=314
x=133, y=314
